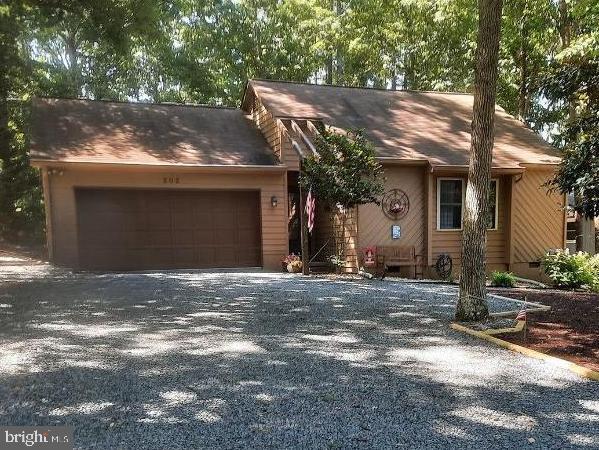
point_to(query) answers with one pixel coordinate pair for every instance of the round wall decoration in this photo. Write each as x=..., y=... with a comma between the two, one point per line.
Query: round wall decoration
x=395, y=204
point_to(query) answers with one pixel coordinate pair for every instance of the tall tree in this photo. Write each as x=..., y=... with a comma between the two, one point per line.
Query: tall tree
x=572, y=88
x=472, y=304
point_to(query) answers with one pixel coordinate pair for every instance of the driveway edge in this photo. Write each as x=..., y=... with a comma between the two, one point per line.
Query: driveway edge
x=582, y=371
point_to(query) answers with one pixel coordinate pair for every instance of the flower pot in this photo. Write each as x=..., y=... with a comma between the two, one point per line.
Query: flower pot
x=294, y=268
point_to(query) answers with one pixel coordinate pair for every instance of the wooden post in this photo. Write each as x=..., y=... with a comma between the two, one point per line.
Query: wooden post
x=304, y=229
x=48, y=212
x=430, y=212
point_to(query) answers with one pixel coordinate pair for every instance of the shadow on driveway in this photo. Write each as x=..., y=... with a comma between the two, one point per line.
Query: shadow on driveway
x=238, y=360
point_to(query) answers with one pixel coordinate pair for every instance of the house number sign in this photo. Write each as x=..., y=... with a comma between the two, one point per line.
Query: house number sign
x=170, y=180
x=395, y=232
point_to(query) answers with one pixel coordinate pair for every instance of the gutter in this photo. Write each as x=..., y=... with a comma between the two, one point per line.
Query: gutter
x=464, y=169
x=95, y=165
x=389, y=160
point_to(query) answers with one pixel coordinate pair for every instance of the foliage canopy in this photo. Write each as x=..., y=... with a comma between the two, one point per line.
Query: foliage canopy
x=203, y=52
x=345, y=172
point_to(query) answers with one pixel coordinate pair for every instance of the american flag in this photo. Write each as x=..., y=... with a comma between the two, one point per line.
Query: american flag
x=521, y=315
x=310, y=210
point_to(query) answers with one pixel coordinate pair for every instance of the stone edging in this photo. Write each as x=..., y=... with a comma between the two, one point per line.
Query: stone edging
x=582, y=371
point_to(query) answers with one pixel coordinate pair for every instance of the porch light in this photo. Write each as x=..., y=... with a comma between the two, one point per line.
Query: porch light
x=274, y=201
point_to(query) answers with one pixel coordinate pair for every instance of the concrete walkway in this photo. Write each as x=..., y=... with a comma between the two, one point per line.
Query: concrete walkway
x=257, y=360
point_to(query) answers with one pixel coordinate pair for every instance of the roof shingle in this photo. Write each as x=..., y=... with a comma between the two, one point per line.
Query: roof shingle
x=410, y=125
x=137, y=133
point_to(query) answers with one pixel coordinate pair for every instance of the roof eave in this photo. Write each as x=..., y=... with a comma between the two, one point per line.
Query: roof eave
x=203, y=168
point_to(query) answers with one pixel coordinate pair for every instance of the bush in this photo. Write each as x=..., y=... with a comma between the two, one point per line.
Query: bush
x=503, y=279
x=572, y=271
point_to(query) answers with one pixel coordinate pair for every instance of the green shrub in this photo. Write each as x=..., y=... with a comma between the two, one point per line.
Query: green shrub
x=503, y=279
x=572, y=270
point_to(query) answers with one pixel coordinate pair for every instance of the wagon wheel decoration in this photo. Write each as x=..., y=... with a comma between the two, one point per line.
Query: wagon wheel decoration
x=444, y=265
x=395, y=204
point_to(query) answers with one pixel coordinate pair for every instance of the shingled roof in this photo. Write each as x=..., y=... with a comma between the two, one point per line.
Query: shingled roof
x=149, y=134
x=407, y=125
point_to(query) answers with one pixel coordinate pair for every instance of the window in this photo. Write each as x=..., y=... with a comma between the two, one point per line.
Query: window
x=450, y=195
x=450, y=204
x=492, y=211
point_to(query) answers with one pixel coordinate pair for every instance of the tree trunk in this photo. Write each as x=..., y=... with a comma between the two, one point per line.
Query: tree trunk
x=472, y=303
x=329, y=71
x=523, y=89
x=9, y=61
x=585, y=227
x=393, y=81
x=565, y=23
x=70, y=42
x=332, y=63
x=8, y=57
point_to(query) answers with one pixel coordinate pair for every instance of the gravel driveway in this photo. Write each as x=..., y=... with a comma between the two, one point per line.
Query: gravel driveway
x=257, y=360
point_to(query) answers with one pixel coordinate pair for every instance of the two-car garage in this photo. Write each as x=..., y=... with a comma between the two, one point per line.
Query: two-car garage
x=133, y=229
x=133, y=186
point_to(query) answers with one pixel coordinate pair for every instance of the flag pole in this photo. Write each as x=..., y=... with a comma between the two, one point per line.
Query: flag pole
x=304, y=227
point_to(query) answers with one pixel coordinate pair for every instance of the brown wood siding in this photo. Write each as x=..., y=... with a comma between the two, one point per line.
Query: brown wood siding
x=268, y=126
x=538, y=217
x=134, y=229
x=375, y=227
x=64, y=212
x=275, y=135
x=449, y=241
x=289, y=156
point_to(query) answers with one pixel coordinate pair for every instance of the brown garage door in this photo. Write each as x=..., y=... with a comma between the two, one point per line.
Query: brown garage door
x=127, y=229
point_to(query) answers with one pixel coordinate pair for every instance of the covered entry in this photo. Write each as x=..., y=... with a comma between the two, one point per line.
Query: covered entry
x=133, y=229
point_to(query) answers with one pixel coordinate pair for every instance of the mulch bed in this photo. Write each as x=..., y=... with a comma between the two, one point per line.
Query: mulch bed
x=570, y=330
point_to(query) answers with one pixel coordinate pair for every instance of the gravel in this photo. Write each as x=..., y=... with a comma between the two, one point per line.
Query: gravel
x=257, y=360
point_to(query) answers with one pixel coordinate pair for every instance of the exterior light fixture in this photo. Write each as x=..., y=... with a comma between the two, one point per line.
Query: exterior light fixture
x=274, y=201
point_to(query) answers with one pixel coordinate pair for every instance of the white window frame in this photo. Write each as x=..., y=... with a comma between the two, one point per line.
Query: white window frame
x=439, y=179
x=439, y=203
x=496, y=181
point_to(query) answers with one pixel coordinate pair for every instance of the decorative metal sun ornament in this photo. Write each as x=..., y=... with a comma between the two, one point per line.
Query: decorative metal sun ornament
x=395, y=204
x=444, y=266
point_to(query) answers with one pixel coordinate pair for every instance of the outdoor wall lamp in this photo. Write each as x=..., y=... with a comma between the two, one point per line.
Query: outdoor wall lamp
x=274, y=201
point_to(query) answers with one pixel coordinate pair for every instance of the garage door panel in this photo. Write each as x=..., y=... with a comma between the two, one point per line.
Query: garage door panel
x=154, y=200
x=248, y=235
x=109, y=240
x=224, y=221
x=156, y=258
x=183, y=237
x=205, y=236
x=224, y=237
x=246, y=257
x=185, y=257
x=158, y=220
x=123, y=229
x=108, y=259
x=206, y=256
x=226, y=257
x=182, y=220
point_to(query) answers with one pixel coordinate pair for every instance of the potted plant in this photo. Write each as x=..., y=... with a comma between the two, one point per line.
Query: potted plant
x=292, y=263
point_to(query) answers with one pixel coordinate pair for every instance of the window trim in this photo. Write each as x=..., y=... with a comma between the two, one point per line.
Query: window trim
x=496, y=180
x=439, y=179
